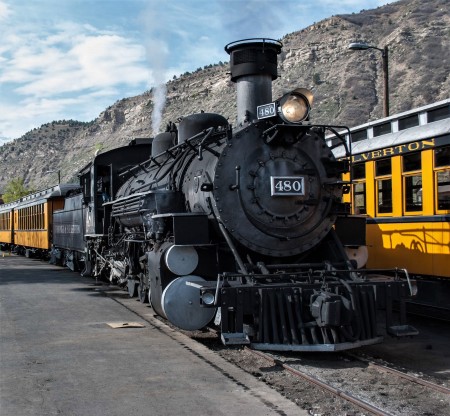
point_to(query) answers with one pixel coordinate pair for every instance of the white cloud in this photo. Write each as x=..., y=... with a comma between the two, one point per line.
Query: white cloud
x=16, y=119
x=5, y=11
x=72, y=61
x=70, y=64
x=47, y=75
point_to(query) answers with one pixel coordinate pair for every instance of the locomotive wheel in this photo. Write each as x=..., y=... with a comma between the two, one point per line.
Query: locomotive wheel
x=142, y=292
x=132, y=287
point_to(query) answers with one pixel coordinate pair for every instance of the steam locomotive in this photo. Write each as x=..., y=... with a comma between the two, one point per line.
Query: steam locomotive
x=238, y=226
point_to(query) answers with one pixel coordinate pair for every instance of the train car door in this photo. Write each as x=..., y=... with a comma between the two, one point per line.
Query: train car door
x=104, y=193
x=88, y=202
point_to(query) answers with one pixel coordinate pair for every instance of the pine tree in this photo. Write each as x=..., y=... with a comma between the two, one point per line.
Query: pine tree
x=15, y=189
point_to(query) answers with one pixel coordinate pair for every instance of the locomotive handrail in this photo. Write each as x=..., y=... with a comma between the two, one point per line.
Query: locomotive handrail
x=304, y=272
x=136, y=195
x=412, y=287
x=207, y=135
x=347, y=146
x=167, y=171
x=299, y=276
x=183, y=145
x=228, y=240
x=268, y=138
x=177, y=157
x=303, y=265
x=232, y=248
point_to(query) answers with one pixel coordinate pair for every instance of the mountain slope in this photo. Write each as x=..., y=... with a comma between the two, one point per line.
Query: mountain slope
x=348, y=87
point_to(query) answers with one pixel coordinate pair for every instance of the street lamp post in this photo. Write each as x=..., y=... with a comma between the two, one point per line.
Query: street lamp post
x=361, y=46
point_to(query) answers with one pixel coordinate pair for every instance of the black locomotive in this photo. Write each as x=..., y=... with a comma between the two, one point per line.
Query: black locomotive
x=242, y=226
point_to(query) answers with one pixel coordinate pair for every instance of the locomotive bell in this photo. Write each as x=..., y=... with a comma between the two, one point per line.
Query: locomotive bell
x=253, y=65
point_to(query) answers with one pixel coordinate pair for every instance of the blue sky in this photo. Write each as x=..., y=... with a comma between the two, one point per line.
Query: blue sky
x=71, y=59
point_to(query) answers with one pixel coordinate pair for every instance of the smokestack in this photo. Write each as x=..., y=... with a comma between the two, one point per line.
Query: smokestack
x=253, y=65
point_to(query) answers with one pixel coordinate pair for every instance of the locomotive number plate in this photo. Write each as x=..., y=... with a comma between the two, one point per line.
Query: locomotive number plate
x=287, y=185
x=266, y=111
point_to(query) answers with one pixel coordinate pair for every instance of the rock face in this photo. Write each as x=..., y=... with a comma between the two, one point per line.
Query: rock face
x=347, y=86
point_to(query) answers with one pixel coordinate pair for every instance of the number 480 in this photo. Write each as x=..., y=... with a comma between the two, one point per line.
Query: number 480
x=289, y=186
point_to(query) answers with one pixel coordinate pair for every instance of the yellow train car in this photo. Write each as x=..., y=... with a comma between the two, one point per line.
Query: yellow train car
x=6, y=224
x=401, y=183
x=28, y=223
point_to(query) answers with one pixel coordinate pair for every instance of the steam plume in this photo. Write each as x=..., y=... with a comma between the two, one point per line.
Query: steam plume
x=157, y=53
x=157, y=50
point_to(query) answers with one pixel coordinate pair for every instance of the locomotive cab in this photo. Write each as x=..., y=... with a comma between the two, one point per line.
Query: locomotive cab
x=100, y=181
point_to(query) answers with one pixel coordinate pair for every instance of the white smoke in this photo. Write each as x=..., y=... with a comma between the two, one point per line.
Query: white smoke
x=159, y=101
x=157, y=52
x=156, y=33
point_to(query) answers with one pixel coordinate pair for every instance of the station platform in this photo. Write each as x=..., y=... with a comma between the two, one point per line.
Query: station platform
x=60, y=356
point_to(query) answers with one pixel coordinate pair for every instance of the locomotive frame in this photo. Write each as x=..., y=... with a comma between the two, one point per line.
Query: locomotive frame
x=243, y=226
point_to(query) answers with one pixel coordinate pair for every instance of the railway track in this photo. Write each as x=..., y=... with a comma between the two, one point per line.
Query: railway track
x=428, y=311
x=354, y=394
x=401, y=374
x=328, y=387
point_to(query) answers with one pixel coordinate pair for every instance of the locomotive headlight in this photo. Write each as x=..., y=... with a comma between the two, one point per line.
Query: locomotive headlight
x=296, y=105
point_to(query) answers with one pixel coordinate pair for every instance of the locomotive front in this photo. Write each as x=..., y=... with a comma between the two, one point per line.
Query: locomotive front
x=237, y=224
x=275, y=186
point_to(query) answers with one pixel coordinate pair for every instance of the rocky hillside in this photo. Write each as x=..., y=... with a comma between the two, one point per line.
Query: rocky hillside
x=347, y=85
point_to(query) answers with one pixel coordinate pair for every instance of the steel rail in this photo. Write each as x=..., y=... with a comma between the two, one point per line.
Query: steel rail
x=337, y=392
x=401, y=374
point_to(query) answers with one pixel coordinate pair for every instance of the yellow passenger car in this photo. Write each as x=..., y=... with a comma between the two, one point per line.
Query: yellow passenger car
x=28, y=221
x=6, y=224
x=401, y=183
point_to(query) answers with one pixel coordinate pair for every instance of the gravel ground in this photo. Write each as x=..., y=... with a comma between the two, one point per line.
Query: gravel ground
x=428, y=358
x=303, y=393
x=380, y=389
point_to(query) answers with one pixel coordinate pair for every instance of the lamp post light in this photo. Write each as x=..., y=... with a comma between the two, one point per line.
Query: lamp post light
x=362, y=46
x=59, y=174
